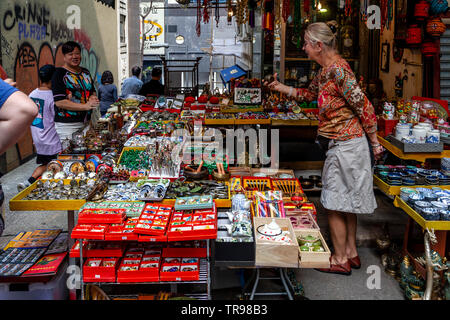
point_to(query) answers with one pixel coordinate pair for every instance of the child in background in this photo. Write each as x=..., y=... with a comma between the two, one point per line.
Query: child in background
x=45, y=137
x=107, y=92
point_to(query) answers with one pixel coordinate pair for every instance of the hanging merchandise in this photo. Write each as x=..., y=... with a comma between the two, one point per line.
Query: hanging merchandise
x=230, y=12
x=435, y=27
x=429, y=48
x=386, y=7
x=297, y=21
x=268, y=15
x=414, y=36
x=363, y=10
x=306, y=5
x=217, y=13
x=252, y=5
x=348, y=7
x=421, y=10
x=438, y=6
x=286, y=9
x=199, y=18
x=205, y=11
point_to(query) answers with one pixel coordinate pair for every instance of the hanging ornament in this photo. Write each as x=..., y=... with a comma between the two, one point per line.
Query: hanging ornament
x=268, y=15
x=199, y=18
x=363, y=10
x=246, y=13
x=390, y=13
x=252, y=4
x=297, y=21
x=348, y=8
x=230, y=12
x=435, y=27
x=217, y=13
x=286, y=10
x=306, y=5
x=205, y=11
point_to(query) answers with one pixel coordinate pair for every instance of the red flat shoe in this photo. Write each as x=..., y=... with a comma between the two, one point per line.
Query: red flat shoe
x=355, y=262
x=343, y=269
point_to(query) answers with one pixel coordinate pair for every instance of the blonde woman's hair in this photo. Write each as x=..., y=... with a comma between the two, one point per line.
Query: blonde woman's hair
x=323, y=32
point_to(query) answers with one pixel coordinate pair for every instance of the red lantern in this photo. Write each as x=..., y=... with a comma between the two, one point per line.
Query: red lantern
x=413, y=36
x=435, y=27
x=421, y=10
x=430, y=48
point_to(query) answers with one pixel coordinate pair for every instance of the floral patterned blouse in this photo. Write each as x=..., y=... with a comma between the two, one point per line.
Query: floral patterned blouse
x=344, y=110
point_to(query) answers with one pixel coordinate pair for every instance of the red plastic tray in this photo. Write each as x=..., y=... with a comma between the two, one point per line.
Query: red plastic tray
x=91, y=216
x=100, y=273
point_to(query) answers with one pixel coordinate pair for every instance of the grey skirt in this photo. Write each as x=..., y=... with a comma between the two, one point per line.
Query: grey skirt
x=347, y=178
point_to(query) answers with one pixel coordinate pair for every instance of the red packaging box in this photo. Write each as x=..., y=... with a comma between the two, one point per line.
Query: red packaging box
x=193, y=225
x=386, y=127
x=100, y=270
x=177, y=271
x=122, y=232
x=89, y=231
x=184, y=252
x=102, y=216
x=142, y=271
x=154, y=220
x=75, y=250
x=97, y=249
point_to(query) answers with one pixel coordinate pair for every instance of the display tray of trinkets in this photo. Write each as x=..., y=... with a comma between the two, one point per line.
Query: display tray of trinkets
x=219, y=119
x=416, y=147
x=60, y=194
x=275, y=243
x=193, y=225
x=154, y=161
x=235, y=244
x=313, y=250
x=140, y=265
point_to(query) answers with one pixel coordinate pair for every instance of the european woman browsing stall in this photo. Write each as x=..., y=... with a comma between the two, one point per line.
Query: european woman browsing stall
x=347, y=124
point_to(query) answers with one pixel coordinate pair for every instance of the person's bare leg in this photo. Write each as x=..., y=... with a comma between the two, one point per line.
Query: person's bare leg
x=351, y=250
x=39, y=171
x=338, y=229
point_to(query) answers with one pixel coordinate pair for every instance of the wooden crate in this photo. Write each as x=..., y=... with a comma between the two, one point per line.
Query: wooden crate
x=272, y=254
x=17, y=204
x=313, y=259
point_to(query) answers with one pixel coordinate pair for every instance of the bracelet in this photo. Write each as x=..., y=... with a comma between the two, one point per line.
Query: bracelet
x=290, y=91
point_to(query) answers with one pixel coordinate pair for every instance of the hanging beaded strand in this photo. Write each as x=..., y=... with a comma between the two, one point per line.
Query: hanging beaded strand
x=348, y=8
x=297, y=21
x=205, y=11
x=286, y=10
x=217, y=13
x=199, y=18
x=390, y=10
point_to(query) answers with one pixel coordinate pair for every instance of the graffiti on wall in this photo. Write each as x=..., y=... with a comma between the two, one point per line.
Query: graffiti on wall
x=33, y=22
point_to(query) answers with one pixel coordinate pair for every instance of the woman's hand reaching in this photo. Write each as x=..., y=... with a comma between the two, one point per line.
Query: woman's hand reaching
x=275, y=85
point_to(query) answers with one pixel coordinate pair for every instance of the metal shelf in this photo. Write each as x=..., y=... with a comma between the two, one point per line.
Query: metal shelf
x=203, y=279
x=204, y=274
